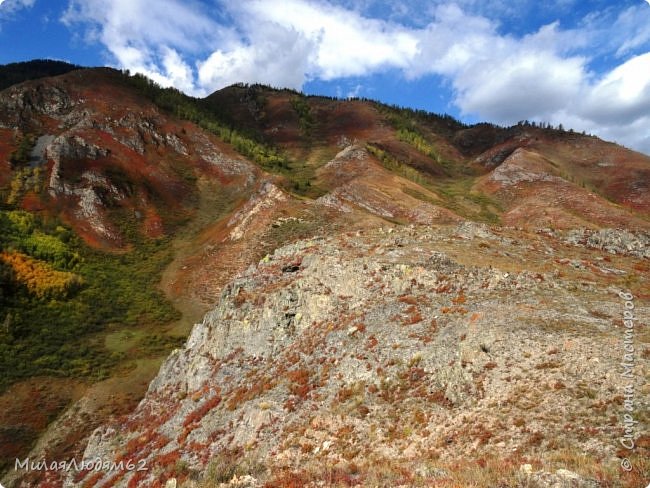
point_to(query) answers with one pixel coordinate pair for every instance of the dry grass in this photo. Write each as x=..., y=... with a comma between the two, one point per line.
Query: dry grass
x=229, y=463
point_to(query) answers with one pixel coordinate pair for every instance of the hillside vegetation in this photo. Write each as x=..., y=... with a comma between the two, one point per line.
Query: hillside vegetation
x=57, y=294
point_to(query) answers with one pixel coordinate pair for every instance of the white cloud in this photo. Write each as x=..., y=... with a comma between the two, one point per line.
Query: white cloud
x=10, y=6
x=144, y=24
x=541, y=76
x=622, y=95
x=500, y=77
x=344, y=43
x=633, y=29
x=518, y=86
x=276, y=56
x=617, y=106
x=547, y=74
x=355, y=92
x=147, y=37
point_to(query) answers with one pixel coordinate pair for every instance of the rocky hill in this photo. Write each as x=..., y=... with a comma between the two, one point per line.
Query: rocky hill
x=382, y=297
x=398, y=357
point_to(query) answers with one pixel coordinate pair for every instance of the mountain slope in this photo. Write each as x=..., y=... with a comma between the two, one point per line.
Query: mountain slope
x=96, y=182
x=386, y=358
x=135, y=207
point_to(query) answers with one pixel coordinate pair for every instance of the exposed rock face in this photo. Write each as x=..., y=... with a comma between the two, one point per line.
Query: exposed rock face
x=349, y=163
x=106, y=150
x=494, y=157
x=522, y=166
x=331, y=200
x=20, y=106
x=38, y=156
x=384, y=346
x=69, y=147
x=361, y=182
x=90, y=188
x=614, y=241
x=267, y=196
x=215, y=157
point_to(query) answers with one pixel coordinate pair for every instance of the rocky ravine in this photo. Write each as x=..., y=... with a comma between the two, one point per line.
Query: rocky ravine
x=457, y=354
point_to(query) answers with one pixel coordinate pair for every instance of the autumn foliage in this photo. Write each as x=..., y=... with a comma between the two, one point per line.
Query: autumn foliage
x=39, y=277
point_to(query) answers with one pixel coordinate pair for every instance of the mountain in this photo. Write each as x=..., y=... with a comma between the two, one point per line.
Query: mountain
x=263, y=288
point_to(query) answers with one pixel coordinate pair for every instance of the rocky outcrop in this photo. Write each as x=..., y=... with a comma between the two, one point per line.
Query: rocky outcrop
x=93, y=191
x=143, y=130
x=69, y=147
x=362, y=183
x=20, y=106
x=495, y=156
x=229, y=166
x=267, y=196
x=379, y=357
x=107, y=153
x=380, y=346
x=522, y=166
x=614, y=241
x=350, y=163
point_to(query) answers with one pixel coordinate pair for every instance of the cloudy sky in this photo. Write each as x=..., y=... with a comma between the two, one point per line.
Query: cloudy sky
x=585, y=64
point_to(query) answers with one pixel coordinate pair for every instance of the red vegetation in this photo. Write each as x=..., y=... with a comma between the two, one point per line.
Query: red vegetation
x=408, y=299
x=460, y=299
x=196, y=416
x=299, y=379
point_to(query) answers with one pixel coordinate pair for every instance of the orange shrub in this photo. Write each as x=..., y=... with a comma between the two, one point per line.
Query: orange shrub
x=39, y=277
x=460, y=299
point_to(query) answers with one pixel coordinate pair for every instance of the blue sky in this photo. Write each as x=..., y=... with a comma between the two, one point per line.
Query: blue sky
x=584, y=64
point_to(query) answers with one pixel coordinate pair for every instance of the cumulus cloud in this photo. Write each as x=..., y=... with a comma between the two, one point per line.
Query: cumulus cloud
x=516, y=87
x=546, y=75
x=148, y=37
x=343, y=42
x=617, y=106
x=274, y=55
x=501, y=77
x=551, y=74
